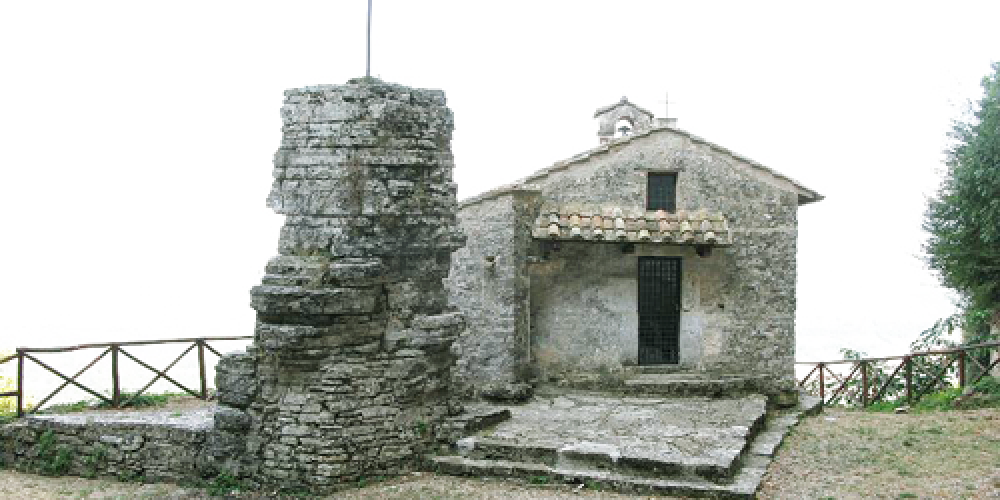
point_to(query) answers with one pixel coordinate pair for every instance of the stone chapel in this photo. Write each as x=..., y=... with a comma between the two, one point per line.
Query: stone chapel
x=655, y=252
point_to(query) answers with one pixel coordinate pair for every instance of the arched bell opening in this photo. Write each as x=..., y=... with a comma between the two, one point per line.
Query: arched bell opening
x=624, y=127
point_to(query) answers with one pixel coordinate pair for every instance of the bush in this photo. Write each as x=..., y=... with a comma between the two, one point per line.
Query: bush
x=988, y=385
x=52, y=460
x=983, y=394
x=941, y=400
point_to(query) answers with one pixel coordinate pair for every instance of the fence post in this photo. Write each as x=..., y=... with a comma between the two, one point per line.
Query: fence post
x=909, y=379
x=116, y=389
x=201, y=368
x=864, y=384
x=822, y=385
x=961, y=369
x=20, y=383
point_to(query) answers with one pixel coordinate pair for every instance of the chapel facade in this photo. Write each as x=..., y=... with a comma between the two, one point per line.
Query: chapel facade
x=656, y=252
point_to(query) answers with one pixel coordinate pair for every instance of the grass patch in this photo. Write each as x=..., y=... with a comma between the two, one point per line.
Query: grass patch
x=127, y=398
x=95, y=461
x=850, y=454
x=365, y=481
x=143, y=401
x=224, y=484
x=73, y=407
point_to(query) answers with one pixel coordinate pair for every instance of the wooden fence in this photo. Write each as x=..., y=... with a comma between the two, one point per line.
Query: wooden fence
x=870, y=380
x=115, y=349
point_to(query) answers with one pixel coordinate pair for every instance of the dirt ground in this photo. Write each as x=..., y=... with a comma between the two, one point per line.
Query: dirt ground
x=836, y=455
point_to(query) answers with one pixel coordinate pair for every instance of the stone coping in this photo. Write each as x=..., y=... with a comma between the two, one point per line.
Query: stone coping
x=194, y=419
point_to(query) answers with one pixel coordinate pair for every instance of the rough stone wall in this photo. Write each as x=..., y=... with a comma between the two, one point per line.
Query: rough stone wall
x=155, y=452
x=349, y=372
x=489, y=284
x=738, y=304
x=584, y=316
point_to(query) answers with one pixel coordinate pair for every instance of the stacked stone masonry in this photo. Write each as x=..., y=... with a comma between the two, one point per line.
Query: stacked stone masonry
x=157, y=446
x=349, y=372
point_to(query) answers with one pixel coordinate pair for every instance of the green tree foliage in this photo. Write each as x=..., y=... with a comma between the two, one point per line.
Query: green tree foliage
x=963, y=217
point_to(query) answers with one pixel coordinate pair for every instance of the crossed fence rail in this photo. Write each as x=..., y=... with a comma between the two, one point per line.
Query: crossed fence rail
x=115, y=349
x=922, y=372
x=871, y=380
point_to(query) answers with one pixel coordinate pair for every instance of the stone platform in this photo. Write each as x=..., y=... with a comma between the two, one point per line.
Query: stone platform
x=718, y=447
x=176, y=445
x=173, y=446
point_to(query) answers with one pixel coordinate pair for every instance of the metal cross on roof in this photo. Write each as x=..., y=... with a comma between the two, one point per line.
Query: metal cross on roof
x=666, y=105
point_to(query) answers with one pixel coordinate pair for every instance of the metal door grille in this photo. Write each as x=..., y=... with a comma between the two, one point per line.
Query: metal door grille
x=659, y=310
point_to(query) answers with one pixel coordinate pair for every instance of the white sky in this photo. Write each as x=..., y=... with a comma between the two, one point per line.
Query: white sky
x=138, y=136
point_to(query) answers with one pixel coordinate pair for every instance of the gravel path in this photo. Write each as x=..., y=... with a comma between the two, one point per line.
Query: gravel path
x=419, y=486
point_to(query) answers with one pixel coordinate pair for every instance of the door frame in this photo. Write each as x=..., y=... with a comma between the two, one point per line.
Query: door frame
x=658, y=358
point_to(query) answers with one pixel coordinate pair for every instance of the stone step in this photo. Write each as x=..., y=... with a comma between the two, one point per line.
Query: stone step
x=476, y=417
x=602, y=465
x=643, y=437
x=686, y=384
x=778, y=423
x=742, y=486
x=598, y=457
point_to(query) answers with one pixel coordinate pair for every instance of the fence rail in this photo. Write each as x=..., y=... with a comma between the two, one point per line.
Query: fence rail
x=916, y=374
x=115, y=349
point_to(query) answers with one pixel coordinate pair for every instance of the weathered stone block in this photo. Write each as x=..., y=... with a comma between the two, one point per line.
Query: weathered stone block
x=507, y=392
x=271, y=299
x=236, y=379
x=231, y=419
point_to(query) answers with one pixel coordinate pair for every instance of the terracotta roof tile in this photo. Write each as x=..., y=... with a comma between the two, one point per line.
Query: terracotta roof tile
x=611, y=224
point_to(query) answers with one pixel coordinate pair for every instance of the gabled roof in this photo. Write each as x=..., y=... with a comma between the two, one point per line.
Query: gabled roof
x=624, y=102
x=805, y=194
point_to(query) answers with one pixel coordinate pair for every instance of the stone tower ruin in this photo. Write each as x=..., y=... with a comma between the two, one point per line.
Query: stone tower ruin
x=349, y=369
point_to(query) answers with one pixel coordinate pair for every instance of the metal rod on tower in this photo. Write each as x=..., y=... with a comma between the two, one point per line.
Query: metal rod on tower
x=368, y=45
